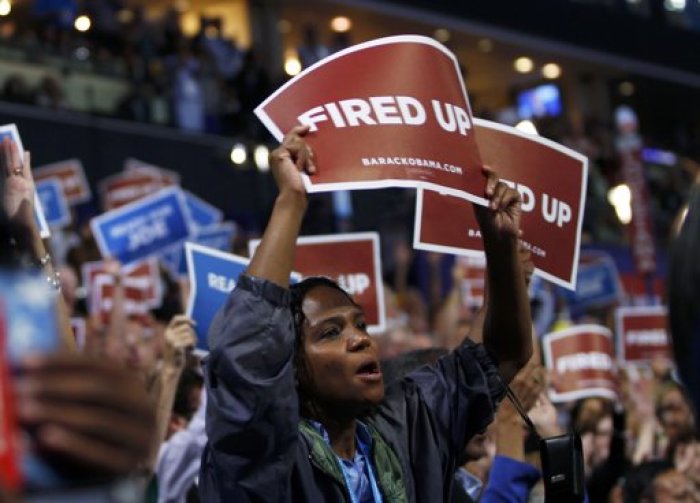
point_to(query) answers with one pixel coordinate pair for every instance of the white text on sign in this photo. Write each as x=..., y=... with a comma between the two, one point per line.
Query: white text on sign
x=354, y=284
x=387, y=110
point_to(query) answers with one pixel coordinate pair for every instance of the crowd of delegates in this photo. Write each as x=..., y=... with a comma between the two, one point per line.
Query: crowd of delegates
x=140, y=429
x=204, y=83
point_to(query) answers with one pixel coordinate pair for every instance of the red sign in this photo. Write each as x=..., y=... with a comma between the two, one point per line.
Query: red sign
x=581, y=363
x=141, y=280
x=391, y=112
x=353, y=260
x=642, y=333
x=629, y=147
x=10, y=470
x=169, y=177
x=552, y=182
x=79, y=328
x=72, y=177
x=474, y=282
x=129, y=186
x=102, y=298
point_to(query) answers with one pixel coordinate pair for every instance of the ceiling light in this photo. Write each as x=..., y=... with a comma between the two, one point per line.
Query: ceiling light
x=238, y=154
x=82, y=23
x=5, y=7
x=551, y=71
x=292, y=66
x=620, y=198
x=442, y=35
x=523, y=65
x=261, y=154
x=341, y=24
x=527, y=126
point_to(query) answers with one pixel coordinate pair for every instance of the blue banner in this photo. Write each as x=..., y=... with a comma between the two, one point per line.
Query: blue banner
x=149, y=226
x=212, y=274
x=597, y=285
x=53, y=202
x=203, y=214
x=217, y=236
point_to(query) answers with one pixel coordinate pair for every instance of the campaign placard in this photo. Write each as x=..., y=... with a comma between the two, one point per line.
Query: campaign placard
x=581, y=362
x=597, y=284
x=212, y=274
x=143, y=228
x=203, y=214
x=217, y=236
x=473, y=285
x=391, y=112
x=642, y=334
x=129, y=186
x=10, y=131
x=72, y=176
x=102, y=298
x=144, y=276
x=551, y=180
x=168, y=176
x=53, y=202
x=79, y=328
x=353, y=260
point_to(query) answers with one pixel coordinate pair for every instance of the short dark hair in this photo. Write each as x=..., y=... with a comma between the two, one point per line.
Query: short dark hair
x=639, y=480
x=301, y=373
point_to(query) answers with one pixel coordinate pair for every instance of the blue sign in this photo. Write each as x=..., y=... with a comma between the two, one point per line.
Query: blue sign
x=203, y=214
x=53, y=202
x=217, y=236
x=212, y=274
x=597, y=285
x=149, y=226
x=10, y=131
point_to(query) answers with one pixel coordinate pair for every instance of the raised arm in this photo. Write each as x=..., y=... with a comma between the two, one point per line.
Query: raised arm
x=507, y=323
x=274, y=257
x=252, y=407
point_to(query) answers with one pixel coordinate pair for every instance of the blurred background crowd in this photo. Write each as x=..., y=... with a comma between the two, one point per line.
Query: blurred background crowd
x=174, y=83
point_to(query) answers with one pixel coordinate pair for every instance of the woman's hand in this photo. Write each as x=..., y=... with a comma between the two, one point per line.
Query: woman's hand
x=501, y=219
x=18, y=198
x=291, y=158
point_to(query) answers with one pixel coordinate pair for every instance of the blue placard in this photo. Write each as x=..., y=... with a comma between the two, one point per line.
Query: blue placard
x=217, y=236
x=53, y=202
x=203, y=214
x=597, y=284
x=212, y=274
x=149, y=226
x=11, y=131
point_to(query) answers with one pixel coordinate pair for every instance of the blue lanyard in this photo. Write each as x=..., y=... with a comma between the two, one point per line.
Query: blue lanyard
x=376, y=495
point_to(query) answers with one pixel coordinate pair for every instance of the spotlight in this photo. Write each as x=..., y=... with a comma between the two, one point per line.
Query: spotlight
x=238, y=154
x=523, y=65
x=261, y=155
x=82, y=23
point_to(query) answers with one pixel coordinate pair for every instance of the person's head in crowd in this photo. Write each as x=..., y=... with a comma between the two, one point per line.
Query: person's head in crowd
x=656, y=482
x=684, y=295
x=674, y=412
x=138, y=345
x=187, y=400
x=69, y=285
x=592, y=420
x=335, y=376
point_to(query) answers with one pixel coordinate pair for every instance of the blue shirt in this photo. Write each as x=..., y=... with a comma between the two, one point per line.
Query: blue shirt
x=358, y=473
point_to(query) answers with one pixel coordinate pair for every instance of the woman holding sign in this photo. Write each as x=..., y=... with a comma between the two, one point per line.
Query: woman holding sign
x=297, y=407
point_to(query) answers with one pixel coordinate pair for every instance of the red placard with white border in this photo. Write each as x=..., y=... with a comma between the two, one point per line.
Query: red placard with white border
x=552, y=182
x=474, y=281
x=391, y=112
x=79, y=328
x=168, y=176
x=581, y=362
x=102, y=298
x=353, y=260
x=129, y=186
x=642, y=333
x=72, y=177
x=144, y=276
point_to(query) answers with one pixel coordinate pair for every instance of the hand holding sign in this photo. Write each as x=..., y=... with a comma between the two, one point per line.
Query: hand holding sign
x=18, y=198
x=501, y=220
x=290, y=158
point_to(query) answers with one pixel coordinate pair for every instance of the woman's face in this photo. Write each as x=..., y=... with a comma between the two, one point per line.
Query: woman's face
x=675, y=414
x=341, y=358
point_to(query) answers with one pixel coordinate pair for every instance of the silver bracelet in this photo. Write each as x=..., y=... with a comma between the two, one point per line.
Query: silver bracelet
x=46, y=259
x=54, y=280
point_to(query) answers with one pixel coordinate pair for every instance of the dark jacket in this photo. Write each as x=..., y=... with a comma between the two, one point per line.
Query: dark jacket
x=257, y=450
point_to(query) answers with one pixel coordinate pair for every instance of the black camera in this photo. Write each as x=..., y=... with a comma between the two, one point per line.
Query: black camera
x=562, y=468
